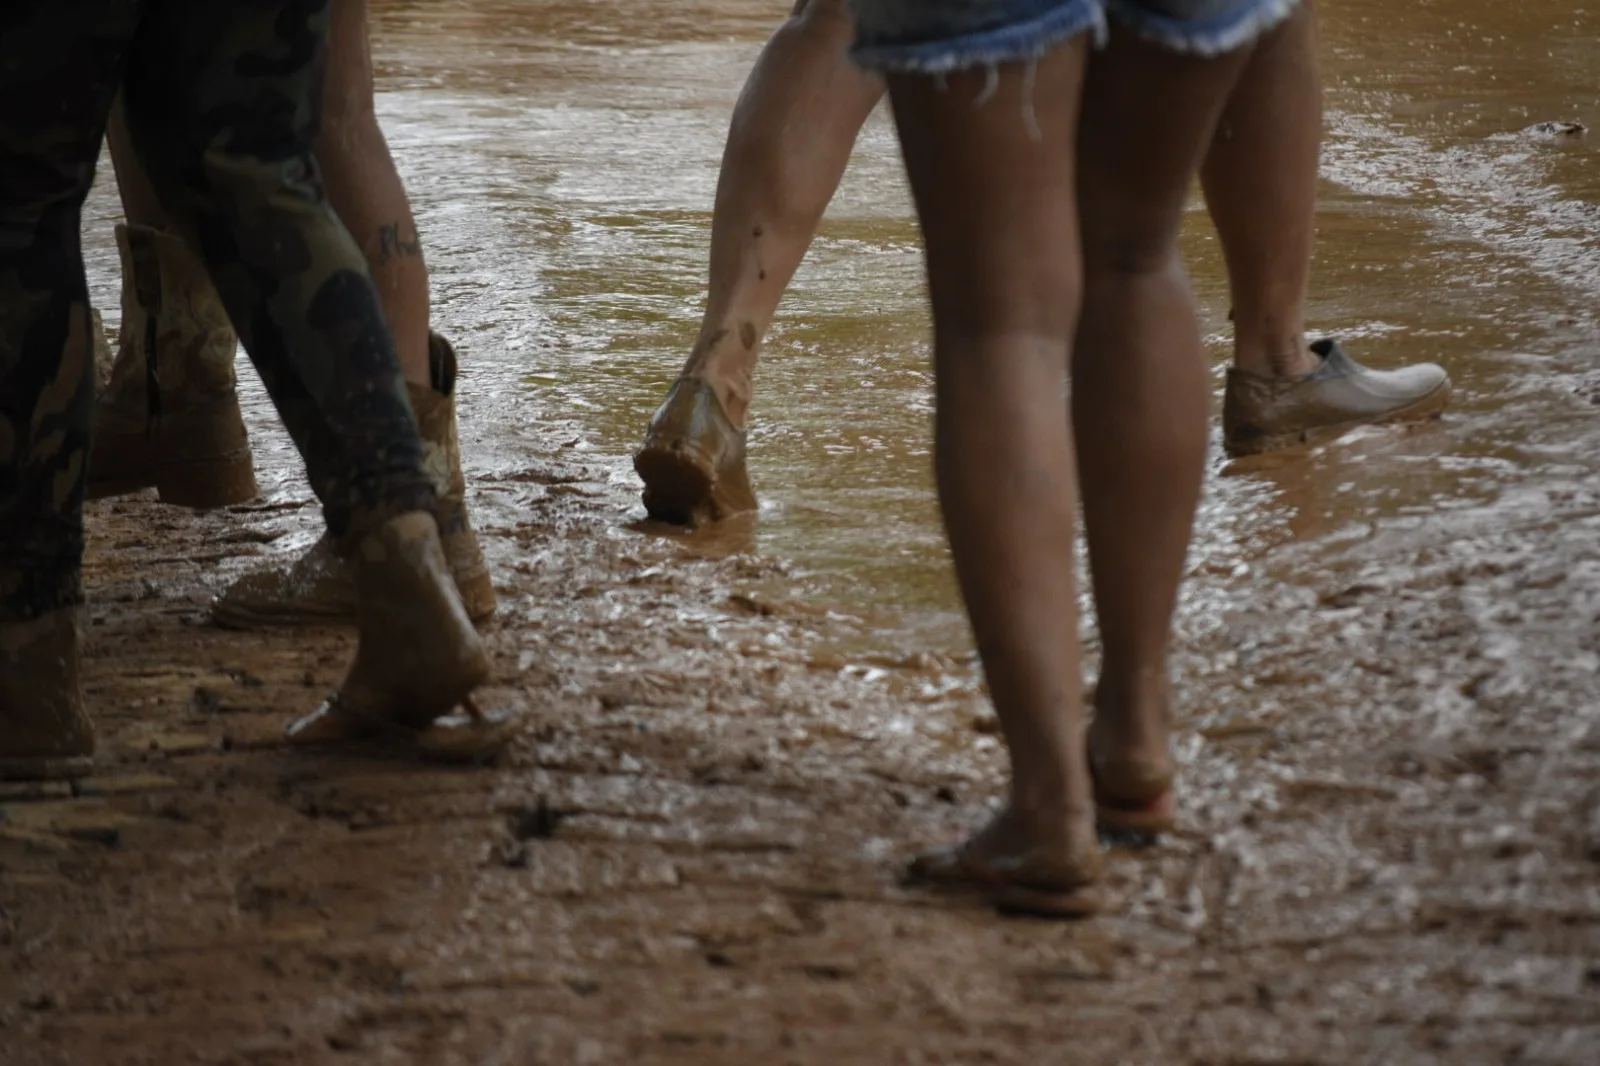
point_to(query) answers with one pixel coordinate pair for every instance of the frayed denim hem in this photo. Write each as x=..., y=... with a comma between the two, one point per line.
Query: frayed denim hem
x=1206, y=38
x=1018, y=42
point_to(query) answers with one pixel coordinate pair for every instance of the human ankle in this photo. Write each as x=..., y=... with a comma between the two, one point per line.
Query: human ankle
x=1277, y=357
x=1132, y=715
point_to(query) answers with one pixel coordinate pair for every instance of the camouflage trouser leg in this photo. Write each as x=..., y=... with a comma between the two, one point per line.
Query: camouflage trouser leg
x=224, y=99
x=60, y=61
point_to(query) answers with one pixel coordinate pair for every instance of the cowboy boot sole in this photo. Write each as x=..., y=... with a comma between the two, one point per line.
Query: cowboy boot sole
x=678, y=481
x=197, y=462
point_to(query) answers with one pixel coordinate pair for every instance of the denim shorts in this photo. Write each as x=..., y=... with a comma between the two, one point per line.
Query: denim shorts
x=935, y=36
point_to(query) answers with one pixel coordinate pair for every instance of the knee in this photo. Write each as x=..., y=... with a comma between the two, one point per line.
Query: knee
x=1129, y=251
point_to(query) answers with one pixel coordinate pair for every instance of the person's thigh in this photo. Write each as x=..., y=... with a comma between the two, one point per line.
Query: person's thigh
x=1200, y=27
x=936, y=36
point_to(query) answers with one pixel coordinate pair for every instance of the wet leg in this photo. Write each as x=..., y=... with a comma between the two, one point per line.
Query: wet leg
x=791, y=136
x=995, y=197
x=1260, y=179
x=1139, y=385
x=365, y=190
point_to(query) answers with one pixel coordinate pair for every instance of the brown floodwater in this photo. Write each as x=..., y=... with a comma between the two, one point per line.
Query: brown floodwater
x=562, y=160
x=1388, y=677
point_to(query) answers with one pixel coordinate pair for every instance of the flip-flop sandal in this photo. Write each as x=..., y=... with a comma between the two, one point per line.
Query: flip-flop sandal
x=1008, y=884
x=1143, y=817
x=474, y=736
x=1143, y=805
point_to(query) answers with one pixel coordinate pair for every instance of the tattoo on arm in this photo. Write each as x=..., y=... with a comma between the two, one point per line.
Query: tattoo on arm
x=392, y=245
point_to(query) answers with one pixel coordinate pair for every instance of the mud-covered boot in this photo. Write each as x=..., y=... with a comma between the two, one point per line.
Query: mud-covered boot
x=418, y=658
x=319, y=587
x=44, y=732
x=169, y=415
x=692, y=461
x=104, y=360
x=1263, y=414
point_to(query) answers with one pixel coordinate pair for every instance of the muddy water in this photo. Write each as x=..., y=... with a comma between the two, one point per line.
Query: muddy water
x=562, y=160
x=1390, y=827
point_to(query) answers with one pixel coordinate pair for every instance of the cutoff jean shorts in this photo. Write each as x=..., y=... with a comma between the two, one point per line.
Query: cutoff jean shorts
x=939, y=36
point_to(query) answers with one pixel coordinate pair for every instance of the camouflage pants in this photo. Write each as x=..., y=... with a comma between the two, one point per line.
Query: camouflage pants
x=223, y=100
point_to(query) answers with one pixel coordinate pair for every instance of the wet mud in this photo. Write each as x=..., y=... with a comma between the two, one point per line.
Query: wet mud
x=1390, y=844
x=1387, y=661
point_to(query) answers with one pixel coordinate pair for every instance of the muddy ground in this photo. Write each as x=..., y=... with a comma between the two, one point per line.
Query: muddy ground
x=1390, y=850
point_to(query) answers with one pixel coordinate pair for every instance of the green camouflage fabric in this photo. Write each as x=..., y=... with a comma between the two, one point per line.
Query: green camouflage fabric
x=223, y=100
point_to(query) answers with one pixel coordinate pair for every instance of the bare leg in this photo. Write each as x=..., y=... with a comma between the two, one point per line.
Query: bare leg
x=139, y=204
x=788, y=144
x=1260, y=179
x=365, y=190
x=1000, y=226
x=790, y=139
x=1139, y=383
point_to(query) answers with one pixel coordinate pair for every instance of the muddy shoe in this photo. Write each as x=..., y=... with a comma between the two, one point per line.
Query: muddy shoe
x=169, y=416
x=692, y=461
x=44, y=732
x=319, y=587
x=418, y=658
x=1262, y=414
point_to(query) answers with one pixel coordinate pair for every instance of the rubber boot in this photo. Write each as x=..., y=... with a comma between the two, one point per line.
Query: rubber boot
x=169, y=416
x=320, y=588
x=44, y=732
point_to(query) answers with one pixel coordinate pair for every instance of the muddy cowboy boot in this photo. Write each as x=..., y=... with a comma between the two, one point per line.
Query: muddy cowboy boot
x=104, y=360
x=169, y=416
x=44, y=732
x=1263, y=414
x=417, y=659
x=692, y=462
x=320, y=587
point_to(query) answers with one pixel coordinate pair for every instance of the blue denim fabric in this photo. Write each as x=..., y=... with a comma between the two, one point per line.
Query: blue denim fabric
x=936, y=36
